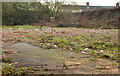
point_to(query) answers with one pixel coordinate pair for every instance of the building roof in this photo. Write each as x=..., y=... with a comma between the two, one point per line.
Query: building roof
x=81, y=7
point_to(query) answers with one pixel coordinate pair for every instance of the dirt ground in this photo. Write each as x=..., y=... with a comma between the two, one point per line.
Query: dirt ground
x=65, y=61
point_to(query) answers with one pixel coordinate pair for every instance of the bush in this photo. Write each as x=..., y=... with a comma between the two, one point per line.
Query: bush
x=19, y=13
x=6, y=60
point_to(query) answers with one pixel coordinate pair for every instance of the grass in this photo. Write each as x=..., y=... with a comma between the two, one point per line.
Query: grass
x=93, y=52
x=15, y=70
x=9, y=69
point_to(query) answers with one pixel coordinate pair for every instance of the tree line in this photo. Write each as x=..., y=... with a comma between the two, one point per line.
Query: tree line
x=19, y=13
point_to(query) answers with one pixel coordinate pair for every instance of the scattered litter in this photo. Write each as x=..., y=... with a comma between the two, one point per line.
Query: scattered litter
x=87, y=49
x=101, y=51
x=55, y=45
x=16, y=62
x=12, y=50
x=83, y=52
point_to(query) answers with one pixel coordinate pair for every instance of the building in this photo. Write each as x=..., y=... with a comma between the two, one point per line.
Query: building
x=81, y=8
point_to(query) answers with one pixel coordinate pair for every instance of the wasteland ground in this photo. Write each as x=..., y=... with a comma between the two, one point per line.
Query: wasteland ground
x=60, y=50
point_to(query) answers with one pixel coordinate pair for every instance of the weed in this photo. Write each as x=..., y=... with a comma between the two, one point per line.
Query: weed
x=65, y=66
x=44, y=69
x=77, y=38
x=115, y=30
x=58, y=40
x=93, y=52
x=99, y=45
x=29, y=68
x=29, y=42
x=83, y=36
x=93, y=60
x=19, y=40
x=79, y=49
x=105, y=56
x=10, y=70
x=53, y=30
x=107, y=37
x=117, y=64
x=71, y=43
x=6, y=60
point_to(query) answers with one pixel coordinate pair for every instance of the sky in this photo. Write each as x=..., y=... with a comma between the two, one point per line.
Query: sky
x=92, y=2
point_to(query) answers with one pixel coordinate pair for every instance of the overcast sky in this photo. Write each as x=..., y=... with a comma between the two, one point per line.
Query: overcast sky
x=92, y=2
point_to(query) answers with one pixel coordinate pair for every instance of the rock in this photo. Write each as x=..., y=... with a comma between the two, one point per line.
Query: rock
x=71, y=49
x=36, y=30
x=84, y=52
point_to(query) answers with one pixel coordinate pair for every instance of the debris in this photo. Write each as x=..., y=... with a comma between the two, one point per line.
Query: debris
x=84, y=52
x=16, y=31
x=55, y=45
x=101, y=51
x=16, y=62
x=36, y=30
x=87, y=49
x=65, y=66
x=12, y=50
x=18, y=51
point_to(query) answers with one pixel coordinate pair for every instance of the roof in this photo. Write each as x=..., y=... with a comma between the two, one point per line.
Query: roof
x=83, y=7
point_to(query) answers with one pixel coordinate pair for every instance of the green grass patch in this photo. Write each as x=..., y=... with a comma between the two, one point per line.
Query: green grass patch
x=44, y=69
x=93, y=60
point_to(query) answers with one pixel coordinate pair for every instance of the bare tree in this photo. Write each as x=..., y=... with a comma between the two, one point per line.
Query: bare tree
x=54, y=6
